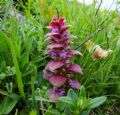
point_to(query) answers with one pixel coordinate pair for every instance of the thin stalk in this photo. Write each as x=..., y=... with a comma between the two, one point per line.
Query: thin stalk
x=89, y=37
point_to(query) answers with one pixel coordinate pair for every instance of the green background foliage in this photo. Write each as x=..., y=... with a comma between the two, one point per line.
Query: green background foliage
x=22, y=46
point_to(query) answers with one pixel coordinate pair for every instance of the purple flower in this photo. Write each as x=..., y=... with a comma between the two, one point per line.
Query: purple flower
x=55, y=46
x=72, y=52
x=61, y=92
x=54, y=30
x=47, y=75
x=53, y=94
x=60, y=69
x=75, y=68
x=52, y=53
x=63, y=55
x=74, y=84
x=53, y=65
x=58, y=80
x=54, y=90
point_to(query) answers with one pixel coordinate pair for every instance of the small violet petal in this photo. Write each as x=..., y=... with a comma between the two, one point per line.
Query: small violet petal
x=63, y=55
x=61, y=92
x=53, y=94
x=74, y=84
x=47, y=75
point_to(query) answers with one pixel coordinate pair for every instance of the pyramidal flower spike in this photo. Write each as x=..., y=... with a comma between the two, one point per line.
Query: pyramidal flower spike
x=60, y=71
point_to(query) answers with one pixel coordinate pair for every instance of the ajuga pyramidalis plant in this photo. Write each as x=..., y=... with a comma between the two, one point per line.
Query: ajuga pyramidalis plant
x=60, y=71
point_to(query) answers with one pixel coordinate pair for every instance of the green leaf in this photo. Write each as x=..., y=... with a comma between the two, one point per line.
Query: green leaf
x=60, y=106
x=38, y=98
x=85, y=112
x=73, y=96
x=10, y=95
x=23, y=60
x=33, y=112
x=96, y=102
x=82, y=92
x=68, y=110
x=7, y=105
x=2, y=76
x=51, y=111
x=16, y=65
x=66, y=99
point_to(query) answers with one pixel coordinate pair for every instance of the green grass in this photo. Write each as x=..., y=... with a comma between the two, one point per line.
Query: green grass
x=22, y=49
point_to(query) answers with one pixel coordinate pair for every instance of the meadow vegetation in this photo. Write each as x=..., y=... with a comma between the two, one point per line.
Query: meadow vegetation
x=23, y=89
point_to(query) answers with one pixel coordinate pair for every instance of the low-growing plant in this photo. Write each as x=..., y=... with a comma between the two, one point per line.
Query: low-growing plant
x=79, y=104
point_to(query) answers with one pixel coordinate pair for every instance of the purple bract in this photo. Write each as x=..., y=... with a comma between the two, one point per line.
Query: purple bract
x=60, y=71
